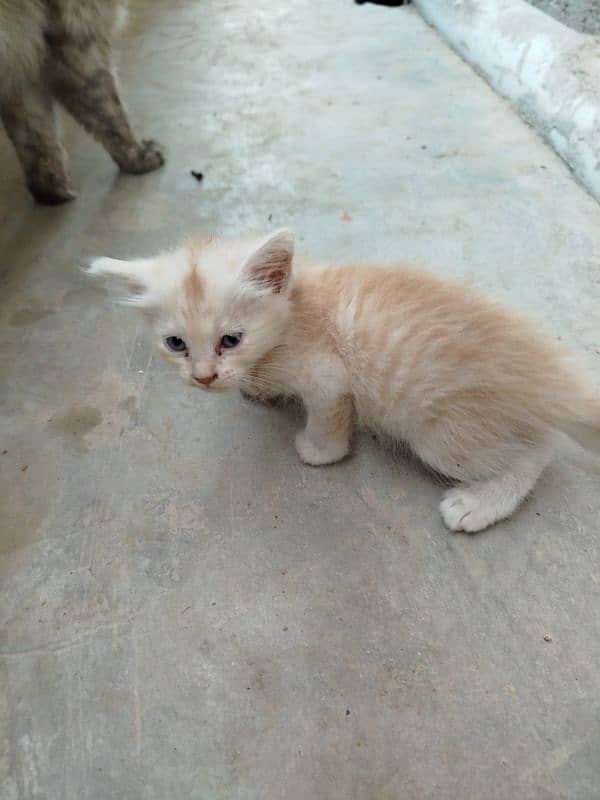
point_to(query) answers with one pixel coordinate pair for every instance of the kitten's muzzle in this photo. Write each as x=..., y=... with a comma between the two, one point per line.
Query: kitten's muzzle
x=206, y=380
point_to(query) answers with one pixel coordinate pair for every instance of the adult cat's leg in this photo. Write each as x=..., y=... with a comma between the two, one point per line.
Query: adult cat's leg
x=84, y=82
x=473, y=507
x=28, y=116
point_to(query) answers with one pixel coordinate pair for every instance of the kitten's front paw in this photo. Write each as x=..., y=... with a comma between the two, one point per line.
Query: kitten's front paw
x=463, y=510
x=316, y=456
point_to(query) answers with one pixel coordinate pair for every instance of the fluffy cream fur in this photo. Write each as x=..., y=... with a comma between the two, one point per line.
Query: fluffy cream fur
x=476, y=391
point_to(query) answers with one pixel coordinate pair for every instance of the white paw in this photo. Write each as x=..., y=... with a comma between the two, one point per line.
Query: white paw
x=326, y=453
x=464, y=510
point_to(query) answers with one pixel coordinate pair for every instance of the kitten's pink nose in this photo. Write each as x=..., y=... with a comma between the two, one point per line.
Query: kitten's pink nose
x=207, y=380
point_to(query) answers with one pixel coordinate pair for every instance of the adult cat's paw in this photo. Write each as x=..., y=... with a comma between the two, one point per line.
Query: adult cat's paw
x=146, y=156
x=464, y=510
x=52, y=196
x=318, y=455
x=49, y=189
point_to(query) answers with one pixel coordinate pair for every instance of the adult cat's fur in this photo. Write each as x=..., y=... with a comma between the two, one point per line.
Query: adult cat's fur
x=61, y=49
x=477, y=392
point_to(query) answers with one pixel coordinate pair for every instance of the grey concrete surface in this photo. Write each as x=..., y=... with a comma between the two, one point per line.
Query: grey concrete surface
x=582, y=15
x=187, y=612
x=548, y=71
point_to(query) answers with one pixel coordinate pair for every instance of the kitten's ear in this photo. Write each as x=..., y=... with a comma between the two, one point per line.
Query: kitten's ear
x=269, y=267
x=130, y=279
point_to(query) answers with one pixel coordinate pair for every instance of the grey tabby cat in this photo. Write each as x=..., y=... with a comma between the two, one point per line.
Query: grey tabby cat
x=61, y=50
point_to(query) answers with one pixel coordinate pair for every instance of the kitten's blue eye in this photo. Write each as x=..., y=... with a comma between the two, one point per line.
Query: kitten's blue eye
x=176, y=344
x=231, y=340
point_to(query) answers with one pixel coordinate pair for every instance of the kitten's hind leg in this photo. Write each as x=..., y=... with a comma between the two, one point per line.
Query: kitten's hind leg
x=84, y=82
x=28, y=116
x=475, y=506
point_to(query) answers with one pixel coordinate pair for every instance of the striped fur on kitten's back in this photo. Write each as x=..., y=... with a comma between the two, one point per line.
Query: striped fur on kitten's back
x=475, y=390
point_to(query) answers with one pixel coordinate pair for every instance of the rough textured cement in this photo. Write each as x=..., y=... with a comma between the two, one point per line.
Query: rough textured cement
x=583, y=15
x=548, y=71
x=187, y=612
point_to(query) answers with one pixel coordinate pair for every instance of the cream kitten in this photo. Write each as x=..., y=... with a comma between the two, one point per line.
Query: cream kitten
x=476, y=392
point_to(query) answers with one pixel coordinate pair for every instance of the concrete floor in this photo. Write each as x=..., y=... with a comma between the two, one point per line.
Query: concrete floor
x=582, y=15
x=187, y=612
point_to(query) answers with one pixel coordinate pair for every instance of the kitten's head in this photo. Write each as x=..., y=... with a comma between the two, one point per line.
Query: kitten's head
x=217, y=307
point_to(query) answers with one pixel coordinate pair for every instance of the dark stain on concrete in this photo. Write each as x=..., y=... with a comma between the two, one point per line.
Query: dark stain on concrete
x=23, y=510
x=81, y=293
x=128, y=404
x=74, y=423
x=27, y=316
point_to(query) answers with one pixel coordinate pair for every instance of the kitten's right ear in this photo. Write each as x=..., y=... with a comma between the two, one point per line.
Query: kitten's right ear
x=130, y=279
x=268, y=268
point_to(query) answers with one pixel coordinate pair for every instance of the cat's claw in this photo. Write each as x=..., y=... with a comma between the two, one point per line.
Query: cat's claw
x=463, y=510
x=317, y=456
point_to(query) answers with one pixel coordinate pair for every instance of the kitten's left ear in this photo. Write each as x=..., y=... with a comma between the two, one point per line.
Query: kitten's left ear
x=269, y=267
x=131, y=279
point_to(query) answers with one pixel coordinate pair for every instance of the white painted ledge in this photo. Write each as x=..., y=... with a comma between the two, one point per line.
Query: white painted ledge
x=550, y=72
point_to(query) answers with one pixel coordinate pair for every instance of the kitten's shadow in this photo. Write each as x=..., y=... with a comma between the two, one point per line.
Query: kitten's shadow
x=399, y=452
x=279, y=402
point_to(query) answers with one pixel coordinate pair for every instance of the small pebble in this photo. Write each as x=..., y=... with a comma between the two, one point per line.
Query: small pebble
x=347, y=712
x=547, y=637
